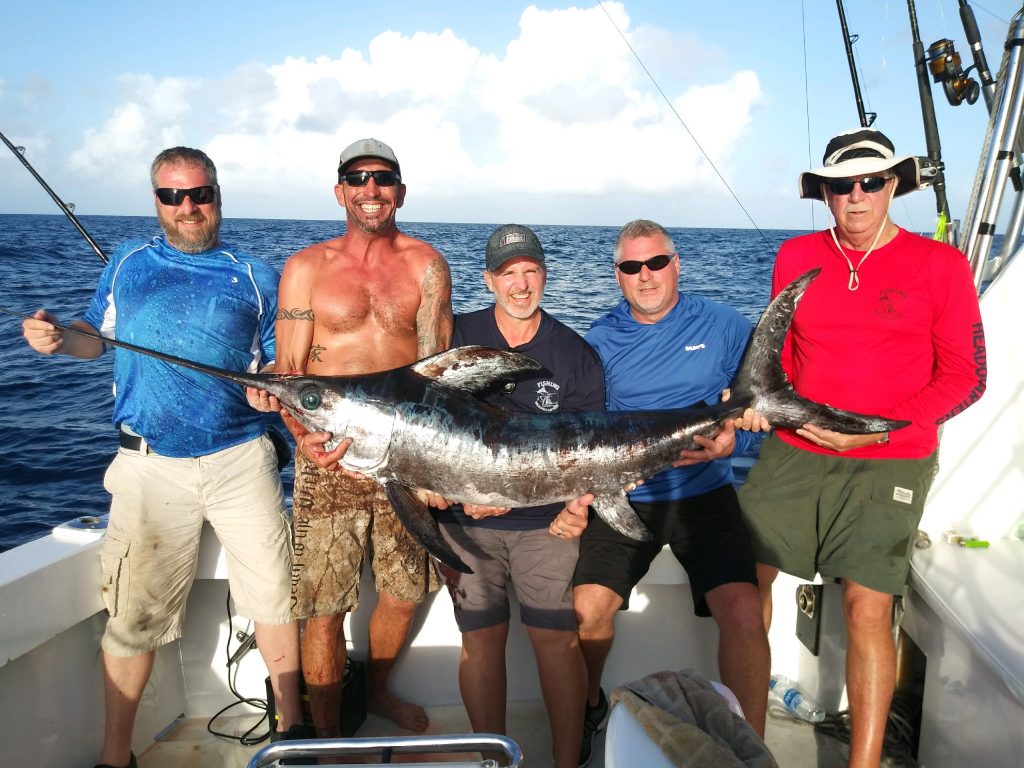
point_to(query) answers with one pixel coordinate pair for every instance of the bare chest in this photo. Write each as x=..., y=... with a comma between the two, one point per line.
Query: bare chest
x=349, y=301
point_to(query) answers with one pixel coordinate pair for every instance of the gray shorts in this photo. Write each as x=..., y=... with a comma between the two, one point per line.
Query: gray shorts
x=536, y=564
x=151, y=548
x=841, y=517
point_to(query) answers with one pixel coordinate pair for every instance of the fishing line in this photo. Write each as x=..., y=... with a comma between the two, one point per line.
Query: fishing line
x=246, y=739
x=68, y=209
x=807, y=101
x=685, y=126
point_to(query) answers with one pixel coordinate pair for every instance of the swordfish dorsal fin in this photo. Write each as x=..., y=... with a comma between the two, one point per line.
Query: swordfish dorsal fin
x=473, y=369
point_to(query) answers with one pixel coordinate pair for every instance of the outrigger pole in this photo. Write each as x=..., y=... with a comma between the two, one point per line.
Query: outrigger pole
x=19, y=152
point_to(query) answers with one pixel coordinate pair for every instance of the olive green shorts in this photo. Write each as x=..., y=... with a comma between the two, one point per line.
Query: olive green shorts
x=844, y=518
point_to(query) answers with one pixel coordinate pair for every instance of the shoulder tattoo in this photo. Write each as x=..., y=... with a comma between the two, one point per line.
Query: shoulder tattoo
x=434, y=320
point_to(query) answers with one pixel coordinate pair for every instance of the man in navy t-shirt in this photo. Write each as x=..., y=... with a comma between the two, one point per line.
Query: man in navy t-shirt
x=517, y=548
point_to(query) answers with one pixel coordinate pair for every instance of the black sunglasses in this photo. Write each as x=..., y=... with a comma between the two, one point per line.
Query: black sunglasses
x=868, y=184
x=198, y=195
x=382, y=178
x=654, y=264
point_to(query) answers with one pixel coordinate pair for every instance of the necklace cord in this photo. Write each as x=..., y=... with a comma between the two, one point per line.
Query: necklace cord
x=854, y=282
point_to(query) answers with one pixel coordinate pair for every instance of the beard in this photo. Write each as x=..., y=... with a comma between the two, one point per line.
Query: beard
x=371, y=224
x=192, y=239
x=375, y=227
x=518, y=310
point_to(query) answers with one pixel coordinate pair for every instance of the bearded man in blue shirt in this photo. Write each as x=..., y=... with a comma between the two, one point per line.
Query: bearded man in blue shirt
x=191, y=447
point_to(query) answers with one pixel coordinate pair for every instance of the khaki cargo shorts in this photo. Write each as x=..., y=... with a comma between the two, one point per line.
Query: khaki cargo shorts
x=151, y=548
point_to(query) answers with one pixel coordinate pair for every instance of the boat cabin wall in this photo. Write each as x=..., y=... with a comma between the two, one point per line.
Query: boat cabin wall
x=965, y=604
x=979, y=488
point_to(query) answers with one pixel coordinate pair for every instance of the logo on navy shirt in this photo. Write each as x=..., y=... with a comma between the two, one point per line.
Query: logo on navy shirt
x=547, y=396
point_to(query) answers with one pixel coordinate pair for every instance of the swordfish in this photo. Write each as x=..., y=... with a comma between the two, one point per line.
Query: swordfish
x=422, y=426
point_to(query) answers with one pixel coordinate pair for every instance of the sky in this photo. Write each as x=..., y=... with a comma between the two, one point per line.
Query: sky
x=498, y=111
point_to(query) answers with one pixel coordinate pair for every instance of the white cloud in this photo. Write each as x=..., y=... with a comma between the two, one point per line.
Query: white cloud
x=563, y=110
x=147, y=121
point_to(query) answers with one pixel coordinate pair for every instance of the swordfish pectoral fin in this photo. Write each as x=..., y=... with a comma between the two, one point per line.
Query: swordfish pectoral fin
x=422, y=526
x=615, y=510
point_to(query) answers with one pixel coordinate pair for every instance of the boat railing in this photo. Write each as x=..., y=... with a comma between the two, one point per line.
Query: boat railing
x=388, y=746
x=997, y=166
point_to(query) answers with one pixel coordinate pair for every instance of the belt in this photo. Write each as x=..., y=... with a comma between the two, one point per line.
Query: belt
x=131, y=442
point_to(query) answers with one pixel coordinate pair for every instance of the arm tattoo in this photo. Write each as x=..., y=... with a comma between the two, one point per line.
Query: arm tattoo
x=434, y=319
x=314, y=353
x=295, y=314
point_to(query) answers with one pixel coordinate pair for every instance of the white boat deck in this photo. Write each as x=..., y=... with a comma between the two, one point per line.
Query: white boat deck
x=189, y=745
x=189, y=681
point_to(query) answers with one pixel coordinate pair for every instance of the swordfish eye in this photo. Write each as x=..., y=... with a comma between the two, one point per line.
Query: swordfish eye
x=310, y=398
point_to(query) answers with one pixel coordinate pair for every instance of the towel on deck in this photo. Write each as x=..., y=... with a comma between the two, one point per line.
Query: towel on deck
x=691, y=723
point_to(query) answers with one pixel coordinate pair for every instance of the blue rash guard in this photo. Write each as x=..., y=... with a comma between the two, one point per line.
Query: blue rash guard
x=217, y=308
x=685, y=359
x=571, y=380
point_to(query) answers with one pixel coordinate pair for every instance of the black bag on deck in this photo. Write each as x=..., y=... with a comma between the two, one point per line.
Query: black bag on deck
x=353, y=700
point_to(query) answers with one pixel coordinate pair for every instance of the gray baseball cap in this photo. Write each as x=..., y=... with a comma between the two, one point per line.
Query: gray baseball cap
x=367, y=148
x=509, y=241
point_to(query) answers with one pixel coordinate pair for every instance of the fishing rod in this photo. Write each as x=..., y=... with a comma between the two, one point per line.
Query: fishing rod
x=933, y=166
x=944, y=63
x=19, y=152
x=866, y=118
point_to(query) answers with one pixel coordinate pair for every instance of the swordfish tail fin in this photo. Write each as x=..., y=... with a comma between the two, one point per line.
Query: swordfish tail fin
x=762, y=383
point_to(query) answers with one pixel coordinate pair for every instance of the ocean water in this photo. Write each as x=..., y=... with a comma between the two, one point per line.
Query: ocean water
x=56, y=438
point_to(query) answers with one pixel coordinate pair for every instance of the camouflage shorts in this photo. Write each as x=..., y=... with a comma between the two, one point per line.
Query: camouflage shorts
x=336, y=517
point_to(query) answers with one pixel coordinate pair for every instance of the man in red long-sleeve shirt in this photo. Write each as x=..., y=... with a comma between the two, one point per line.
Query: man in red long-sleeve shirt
x=891, y=326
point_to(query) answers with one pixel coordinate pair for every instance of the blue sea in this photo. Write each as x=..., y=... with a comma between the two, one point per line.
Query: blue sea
x=56, y=438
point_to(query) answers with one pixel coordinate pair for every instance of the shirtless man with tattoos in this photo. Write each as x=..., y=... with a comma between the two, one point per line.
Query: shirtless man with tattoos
x=370, y=300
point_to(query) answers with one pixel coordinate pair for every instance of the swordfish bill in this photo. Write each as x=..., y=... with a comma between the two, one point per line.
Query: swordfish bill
x=422, y=426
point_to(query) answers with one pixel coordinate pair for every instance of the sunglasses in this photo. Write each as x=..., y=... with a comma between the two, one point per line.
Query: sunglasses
x=654, y=264
x=198, y=195
x=382, y=178
x=867, y=184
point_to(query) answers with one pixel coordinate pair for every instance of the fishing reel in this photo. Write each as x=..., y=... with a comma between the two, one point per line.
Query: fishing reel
x=944, y=64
